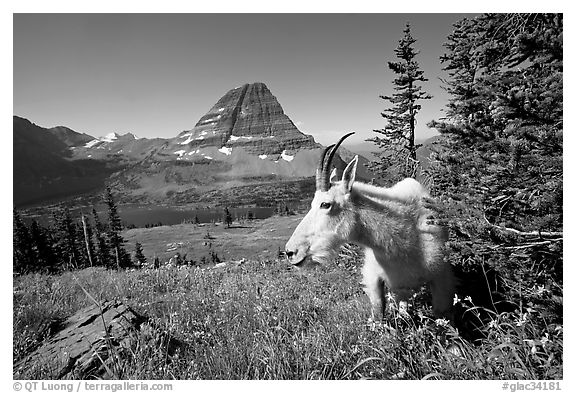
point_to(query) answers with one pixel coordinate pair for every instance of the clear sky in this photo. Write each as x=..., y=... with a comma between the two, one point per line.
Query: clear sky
x=155, y=75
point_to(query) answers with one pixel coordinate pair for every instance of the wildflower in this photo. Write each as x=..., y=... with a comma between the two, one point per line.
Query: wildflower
x=540, y=290
x=523, y=319
x=456, y=299
x=468, y=299
x=532, y=345
x=492, y=324
x=544, y=340
x=559, y=329
x=442, y=322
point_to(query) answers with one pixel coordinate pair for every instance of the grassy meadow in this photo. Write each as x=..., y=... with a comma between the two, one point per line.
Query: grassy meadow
x=263, y=319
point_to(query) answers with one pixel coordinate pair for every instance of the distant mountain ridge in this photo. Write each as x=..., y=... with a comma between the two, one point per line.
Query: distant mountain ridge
x=244, y=138
x=42, y=168
x=70, y=137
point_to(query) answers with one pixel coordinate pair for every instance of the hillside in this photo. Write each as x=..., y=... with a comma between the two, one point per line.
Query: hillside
x=257, y=317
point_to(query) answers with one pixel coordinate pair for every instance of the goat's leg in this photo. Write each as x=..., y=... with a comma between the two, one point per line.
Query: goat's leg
x=374, y=288
x=443, y=288
x=376, y=294
x=399, y=302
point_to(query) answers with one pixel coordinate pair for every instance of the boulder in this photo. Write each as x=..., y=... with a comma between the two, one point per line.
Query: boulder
x=86, y=345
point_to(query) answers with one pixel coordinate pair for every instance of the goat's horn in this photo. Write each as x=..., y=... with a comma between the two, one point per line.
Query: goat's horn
x=323, y=175
x=320, y=169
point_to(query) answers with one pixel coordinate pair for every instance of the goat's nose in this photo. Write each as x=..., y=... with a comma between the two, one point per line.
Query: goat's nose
x=290, y=254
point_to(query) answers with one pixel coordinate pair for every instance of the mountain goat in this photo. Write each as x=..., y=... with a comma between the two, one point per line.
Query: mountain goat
x=402, y=250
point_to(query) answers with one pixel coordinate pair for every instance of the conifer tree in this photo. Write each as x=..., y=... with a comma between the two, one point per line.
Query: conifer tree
x=115, y=227
x=227, y=217
x=42, y=245
x=503, y=125
x=23, y=255
x=397, y=138
x=498, y=163
x=139, y=255
x=67, y=243
x=103, y=256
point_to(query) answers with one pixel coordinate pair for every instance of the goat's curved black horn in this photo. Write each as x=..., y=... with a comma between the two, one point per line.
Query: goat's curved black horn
x=325, y=171
x=319, y=170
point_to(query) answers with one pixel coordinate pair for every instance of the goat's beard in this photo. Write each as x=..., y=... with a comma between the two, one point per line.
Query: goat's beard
x=325, y=252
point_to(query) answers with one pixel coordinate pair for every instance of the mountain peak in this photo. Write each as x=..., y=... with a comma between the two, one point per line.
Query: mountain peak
x=248, y=116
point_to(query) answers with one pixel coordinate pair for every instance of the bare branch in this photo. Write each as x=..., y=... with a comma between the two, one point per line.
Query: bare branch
x=540, y=234
x=528, y=245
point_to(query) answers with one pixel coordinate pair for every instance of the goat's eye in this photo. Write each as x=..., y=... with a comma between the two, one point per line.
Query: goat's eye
x=325, y=205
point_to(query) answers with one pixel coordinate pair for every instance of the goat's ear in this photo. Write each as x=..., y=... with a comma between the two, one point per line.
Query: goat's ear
x=333, y=176
x=349, y=174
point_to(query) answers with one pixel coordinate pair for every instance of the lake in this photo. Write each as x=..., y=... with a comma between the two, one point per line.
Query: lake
x=141, y=216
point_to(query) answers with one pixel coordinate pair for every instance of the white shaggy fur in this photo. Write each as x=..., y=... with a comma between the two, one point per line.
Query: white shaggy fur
x=402, y=251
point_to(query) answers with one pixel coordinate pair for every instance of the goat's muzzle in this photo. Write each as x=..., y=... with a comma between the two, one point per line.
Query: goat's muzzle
x=295, y=258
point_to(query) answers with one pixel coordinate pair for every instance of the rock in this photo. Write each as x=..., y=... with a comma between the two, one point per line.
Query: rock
x=82, y=348
x=249, y=117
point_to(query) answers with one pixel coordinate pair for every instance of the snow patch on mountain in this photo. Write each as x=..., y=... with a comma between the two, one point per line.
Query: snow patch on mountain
x=92, y=143
x=111, y=137
x=286, y=157
x=225, y=150
x=187, y=141
x=235, y=138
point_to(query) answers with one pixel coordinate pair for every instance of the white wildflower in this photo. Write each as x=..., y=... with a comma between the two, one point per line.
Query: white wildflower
x=523, y=319
x=442, y=322
x=456, y=299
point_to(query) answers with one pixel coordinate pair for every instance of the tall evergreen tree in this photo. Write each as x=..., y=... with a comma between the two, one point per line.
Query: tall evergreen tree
x=114, y=229
x=397, y=138
x=503, y=126
x=498, y=164
x=23, y=255
x=67, y=244
x=103, y=256
x=42, y=245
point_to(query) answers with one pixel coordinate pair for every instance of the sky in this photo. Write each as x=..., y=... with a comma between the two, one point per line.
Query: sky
x=155, y=75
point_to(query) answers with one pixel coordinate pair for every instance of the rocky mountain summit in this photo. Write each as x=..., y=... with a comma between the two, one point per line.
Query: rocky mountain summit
x=251, y=118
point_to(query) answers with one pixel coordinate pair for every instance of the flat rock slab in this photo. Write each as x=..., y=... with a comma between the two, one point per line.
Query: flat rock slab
x=86, y=347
